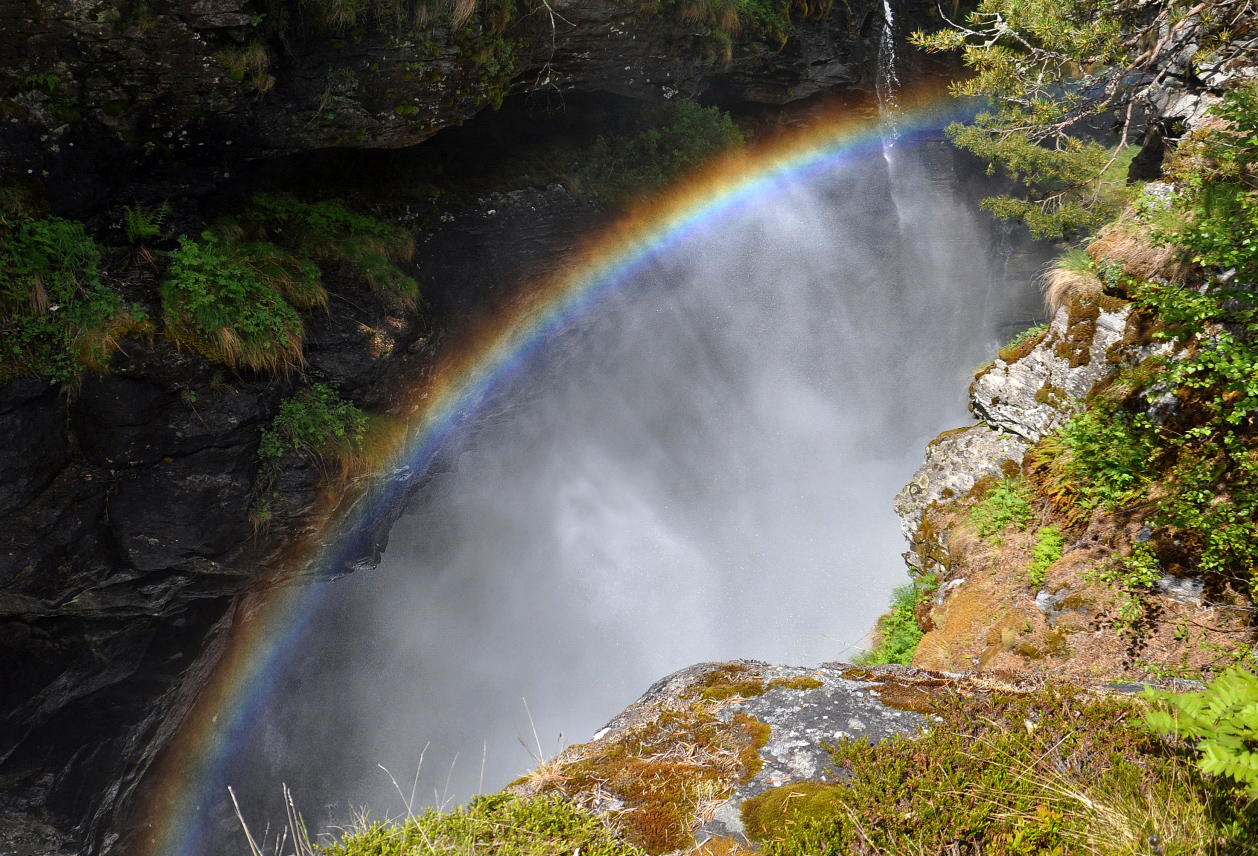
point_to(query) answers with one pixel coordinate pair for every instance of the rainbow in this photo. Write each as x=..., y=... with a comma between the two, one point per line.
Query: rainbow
x=188, y=780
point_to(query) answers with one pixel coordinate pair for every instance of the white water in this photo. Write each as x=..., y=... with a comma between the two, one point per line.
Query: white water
x=706, y=473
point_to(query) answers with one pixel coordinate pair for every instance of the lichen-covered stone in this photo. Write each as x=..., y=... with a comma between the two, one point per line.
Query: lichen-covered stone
x=1035, y=394
x=955, y=460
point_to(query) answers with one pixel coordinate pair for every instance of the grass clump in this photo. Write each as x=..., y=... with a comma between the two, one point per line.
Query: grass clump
x=499, y=824
x=1051, y=772
x=57, y=315
x=218, y=303
x=1006, y=504
x=330, y=232
x=1023, y=343
x=674, y=138
x=897, y=632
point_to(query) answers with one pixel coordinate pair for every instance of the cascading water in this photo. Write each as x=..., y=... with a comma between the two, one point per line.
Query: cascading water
x=887, y=86
x=702, y=470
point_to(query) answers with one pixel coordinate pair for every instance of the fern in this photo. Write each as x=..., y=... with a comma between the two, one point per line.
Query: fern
x=1222, y=719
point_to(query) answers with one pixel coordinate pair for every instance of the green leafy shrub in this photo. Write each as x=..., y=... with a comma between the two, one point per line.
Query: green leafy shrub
x=499, y=824
x=328, y=231
x=316, y=423
x=1054, y=772
x=1005, y=505
x=680, y=135
x=1222, y=719
x=1047, y=550
x=1103, y=456
x=56, y=314
x=217, y=303
x=897, y=632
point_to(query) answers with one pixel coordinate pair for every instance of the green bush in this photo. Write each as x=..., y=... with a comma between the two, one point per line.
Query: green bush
x=1108, y=454
x=679, y=136
x=217, y=303
x=56, y=314
x=316, y=423
x=499, y=824
x=1222, y=719
x=1005, y=505
x=897, y=632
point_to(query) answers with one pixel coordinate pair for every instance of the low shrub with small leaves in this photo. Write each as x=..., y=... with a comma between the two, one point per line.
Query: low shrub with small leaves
x=1053, y=772
x=897, y=632
x=1005, y=505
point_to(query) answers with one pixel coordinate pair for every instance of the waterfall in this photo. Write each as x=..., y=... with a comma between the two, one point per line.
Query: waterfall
x=887, y=84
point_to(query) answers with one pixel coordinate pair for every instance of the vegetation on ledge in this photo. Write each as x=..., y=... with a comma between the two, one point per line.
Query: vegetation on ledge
x=1053, y=772
x=499, y=824
x=57, y=314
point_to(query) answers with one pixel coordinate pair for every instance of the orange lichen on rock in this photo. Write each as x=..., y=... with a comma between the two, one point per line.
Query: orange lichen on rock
x=660, y=776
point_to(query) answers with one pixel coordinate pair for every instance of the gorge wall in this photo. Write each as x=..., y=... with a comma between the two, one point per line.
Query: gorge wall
x=125, y=498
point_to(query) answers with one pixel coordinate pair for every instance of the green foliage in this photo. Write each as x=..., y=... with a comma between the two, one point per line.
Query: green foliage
x=1223, y=721
x=144, y=224
x=330, y=232
x=1051, y=772
x=1047, y=550
x=56, y=314
x=499, y=824
x=1106, y=454
x=316, y=423
x=680, y=135
x=1045, y=65
x=897, y=632
x=216, y=302
x=1006, y=504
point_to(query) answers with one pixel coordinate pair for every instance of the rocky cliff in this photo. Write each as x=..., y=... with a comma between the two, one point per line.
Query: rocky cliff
x=126, y=497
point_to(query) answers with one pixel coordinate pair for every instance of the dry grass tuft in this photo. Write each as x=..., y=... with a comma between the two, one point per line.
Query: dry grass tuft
x=1070, y=279
x=1131, y=245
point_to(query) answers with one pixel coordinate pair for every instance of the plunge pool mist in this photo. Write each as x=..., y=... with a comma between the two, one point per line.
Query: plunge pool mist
x=702, y=470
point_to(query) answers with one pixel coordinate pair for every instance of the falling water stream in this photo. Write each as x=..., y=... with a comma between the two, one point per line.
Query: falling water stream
x=702, y=470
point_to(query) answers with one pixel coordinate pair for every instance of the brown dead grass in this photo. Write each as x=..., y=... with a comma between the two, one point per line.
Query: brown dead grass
x=1061, y=286
x=1131, y=245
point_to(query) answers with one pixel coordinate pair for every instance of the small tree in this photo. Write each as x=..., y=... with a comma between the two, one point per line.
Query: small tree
x=1047, y=66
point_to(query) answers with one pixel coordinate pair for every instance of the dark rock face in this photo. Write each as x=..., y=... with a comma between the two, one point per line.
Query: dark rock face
x=203, y=82
x=125, y=527
x=32, y=422
x=125, y=538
